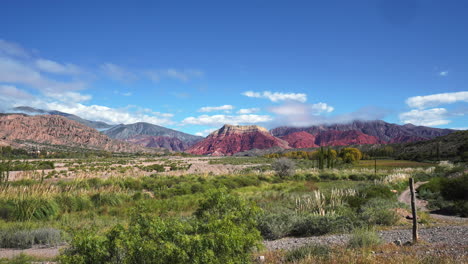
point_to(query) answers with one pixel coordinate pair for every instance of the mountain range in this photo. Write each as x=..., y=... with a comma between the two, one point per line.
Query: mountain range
x=149, y=135
x=234, y=139
x=228, y=140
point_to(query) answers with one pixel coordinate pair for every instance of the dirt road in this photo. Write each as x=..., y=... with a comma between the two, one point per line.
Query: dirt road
x=405, y=197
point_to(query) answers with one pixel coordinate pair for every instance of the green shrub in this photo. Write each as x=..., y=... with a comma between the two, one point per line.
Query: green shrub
x=275, y=225
x=363, y=238
x=301, y=253
x=314, y=225
x=74, y=203
x=221, y=231
x=284, y=167
x=109, y=199
x=378, y=211
x=29, y=208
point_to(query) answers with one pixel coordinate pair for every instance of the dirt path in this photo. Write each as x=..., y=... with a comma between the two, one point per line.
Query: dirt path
x=405, y=197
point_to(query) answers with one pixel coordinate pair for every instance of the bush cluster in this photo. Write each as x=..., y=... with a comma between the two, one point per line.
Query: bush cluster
x=222, y=230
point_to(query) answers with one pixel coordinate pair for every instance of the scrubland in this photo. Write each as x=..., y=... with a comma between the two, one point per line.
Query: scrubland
x=213, y=210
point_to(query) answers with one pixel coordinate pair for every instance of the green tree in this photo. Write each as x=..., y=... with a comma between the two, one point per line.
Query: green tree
x=350, y=155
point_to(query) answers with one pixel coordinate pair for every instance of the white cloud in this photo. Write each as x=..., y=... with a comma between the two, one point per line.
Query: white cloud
x=248, y=110
x=276, y=97
x=117, y=72
x=71, y=97
x=12, y=49
x=443, y=73
x=107, y=114
x=57, y=68
x=428, y=117
x=437, y=99
x=182, y=75
x=217, y=120
x=9, y=92
x=205, y=132
x=305, y=110
x=225, y=108
x=16, y=72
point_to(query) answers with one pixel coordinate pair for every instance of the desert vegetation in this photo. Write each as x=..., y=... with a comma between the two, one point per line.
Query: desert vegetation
x=101, y=219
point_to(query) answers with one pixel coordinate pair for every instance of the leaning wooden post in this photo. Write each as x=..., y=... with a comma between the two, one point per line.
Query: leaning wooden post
x=413, y=210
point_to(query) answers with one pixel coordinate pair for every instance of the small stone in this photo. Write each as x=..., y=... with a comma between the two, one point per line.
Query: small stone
x=261, y=258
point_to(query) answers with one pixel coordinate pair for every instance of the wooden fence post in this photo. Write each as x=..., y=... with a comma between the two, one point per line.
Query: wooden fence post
x=413, y=210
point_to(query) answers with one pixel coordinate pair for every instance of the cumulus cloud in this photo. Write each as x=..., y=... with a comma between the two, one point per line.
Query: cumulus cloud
x=218, y=120
x=427, y=117
x=108, y=114
x=276, y=97
x=225, y=108
x=433, y=100
x=248, y=110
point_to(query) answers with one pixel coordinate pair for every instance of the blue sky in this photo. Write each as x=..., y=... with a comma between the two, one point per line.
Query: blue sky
x=195, y=65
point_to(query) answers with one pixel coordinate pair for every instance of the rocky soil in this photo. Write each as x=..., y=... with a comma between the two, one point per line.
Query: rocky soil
x=451, y=237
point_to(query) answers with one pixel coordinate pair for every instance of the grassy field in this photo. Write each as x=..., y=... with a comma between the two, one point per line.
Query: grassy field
x=386, y=164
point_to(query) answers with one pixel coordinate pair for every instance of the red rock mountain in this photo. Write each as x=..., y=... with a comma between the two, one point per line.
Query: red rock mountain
x=383, y=131
x=232, y=139
x=300, y=139
x=51, y=131
x=343, y=138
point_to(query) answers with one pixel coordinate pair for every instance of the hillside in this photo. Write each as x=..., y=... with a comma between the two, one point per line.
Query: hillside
x=150, y=135
x=230, y=139
x=34, y=111
x=450, y=147
x=53, y=131
x=366, y=132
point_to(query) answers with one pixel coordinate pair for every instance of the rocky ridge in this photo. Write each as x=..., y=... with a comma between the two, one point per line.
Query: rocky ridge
x=20, y=129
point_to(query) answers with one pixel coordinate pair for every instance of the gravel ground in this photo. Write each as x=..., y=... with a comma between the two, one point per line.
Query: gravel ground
x=450, y=236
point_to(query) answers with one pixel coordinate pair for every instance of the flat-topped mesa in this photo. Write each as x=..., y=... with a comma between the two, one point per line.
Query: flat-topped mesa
x=231, y=139
x=232, y=129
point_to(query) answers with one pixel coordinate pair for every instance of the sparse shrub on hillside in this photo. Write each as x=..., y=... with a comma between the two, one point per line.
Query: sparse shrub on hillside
x=284, y=167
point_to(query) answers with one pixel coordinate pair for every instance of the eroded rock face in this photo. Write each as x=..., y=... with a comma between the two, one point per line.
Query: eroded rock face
x=300, y=139
x=57, y=130
x=232, y=139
